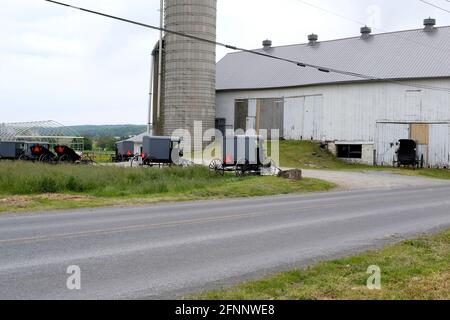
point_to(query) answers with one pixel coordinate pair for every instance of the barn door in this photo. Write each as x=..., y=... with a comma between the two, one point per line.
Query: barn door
x=240, y=114
x=253, y=105
x=271, y=115
x=293, y=118
x=420, y=132
x=318, y=118
x=312, y=118
x=388, y=134
x=438, y=148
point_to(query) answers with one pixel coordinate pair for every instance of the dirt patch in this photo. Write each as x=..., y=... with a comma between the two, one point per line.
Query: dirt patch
x=15, y=201
x=20, y=201
x=63, y=197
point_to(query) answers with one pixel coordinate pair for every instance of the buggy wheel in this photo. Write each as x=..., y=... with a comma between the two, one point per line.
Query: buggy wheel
x=241, y=168
x=216, y=166
x=134, y=160
x=45, y=158
x=23, y=157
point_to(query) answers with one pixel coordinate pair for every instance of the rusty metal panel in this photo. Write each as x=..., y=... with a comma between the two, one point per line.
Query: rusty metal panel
x=420, y=133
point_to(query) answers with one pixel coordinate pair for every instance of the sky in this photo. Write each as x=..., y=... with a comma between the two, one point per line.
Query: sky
x=65, y=65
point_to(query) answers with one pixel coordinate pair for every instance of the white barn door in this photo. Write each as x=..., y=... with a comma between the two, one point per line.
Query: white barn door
x=303, y=117
x=438, y=148
x=312, y=118
x=387, y=136
x=293, y=118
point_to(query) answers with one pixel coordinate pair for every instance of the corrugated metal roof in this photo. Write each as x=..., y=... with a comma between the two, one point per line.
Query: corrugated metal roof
x=139, y=138
x=398, y=55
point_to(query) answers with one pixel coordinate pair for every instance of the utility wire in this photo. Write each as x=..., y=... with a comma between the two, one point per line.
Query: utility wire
x=435, y=5
x=297, y=63
x=377, y=29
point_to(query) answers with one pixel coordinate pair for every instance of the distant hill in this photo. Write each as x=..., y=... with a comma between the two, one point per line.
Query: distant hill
x=109, y=130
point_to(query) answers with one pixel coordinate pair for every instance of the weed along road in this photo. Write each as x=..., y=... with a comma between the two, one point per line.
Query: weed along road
x=168, y=250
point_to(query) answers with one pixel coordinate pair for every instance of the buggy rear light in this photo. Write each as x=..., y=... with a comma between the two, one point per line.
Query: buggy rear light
x=129, y=153
x=228, y=159
x=142, y=155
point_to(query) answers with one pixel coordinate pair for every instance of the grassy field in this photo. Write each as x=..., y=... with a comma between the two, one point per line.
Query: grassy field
x=100, y=156
x=26, y=186
x=309, y=155
x=415, y=269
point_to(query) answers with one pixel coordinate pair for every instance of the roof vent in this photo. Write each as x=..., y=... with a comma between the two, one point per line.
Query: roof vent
x=429, y=24
x=267, y=44
x=365, y=32
x=313, y=38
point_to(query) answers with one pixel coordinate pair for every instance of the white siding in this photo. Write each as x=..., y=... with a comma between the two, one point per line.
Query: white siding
x=303, y=118
x=436, y=153
x=293, y=118
x=438, y=149
x=350, y=112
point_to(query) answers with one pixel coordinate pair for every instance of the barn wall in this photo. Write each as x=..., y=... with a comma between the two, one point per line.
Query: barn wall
x=348, y=112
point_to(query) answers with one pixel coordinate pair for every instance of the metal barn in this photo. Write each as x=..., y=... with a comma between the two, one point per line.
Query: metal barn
x=359, y=120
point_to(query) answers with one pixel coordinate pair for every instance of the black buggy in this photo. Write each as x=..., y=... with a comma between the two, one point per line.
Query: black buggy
x=407, y=155
x=38, y=152
x=242, y=155
x=11, y=150
x=162, y=151
x=66, y=154
x=124, y=151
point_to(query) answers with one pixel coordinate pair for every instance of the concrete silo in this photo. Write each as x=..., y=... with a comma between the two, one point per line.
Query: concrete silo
x=188, y=87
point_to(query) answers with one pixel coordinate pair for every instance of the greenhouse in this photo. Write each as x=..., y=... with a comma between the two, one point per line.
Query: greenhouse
x=50, y=132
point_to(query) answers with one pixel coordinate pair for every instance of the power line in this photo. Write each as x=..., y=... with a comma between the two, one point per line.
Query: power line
x=435, y=5
x=297, y=63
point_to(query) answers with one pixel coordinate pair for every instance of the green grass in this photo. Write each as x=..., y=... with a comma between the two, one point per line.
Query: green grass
x=100, y=156
x=309, y=155
x=414, y=269
x=25, y=186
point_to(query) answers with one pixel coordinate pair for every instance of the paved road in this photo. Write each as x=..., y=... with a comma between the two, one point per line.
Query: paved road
x=166, y=250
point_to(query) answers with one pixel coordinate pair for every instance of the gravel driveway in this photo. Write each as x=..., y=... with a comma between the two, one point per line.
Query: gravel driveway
x=372, y=179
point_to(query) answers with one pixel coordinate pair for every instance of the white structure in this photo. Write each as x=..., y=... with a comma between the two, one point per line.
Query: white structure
x=138, y=142
x=360, y=120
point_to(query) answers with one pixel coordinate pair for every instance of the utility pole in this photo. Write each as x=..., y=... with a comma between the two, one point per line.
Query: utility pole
x=150, y=102
x=160, y=60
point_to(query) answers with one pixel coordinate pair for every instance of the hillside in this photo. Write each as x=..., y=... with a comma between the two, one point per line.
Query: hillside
x=109, y=130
